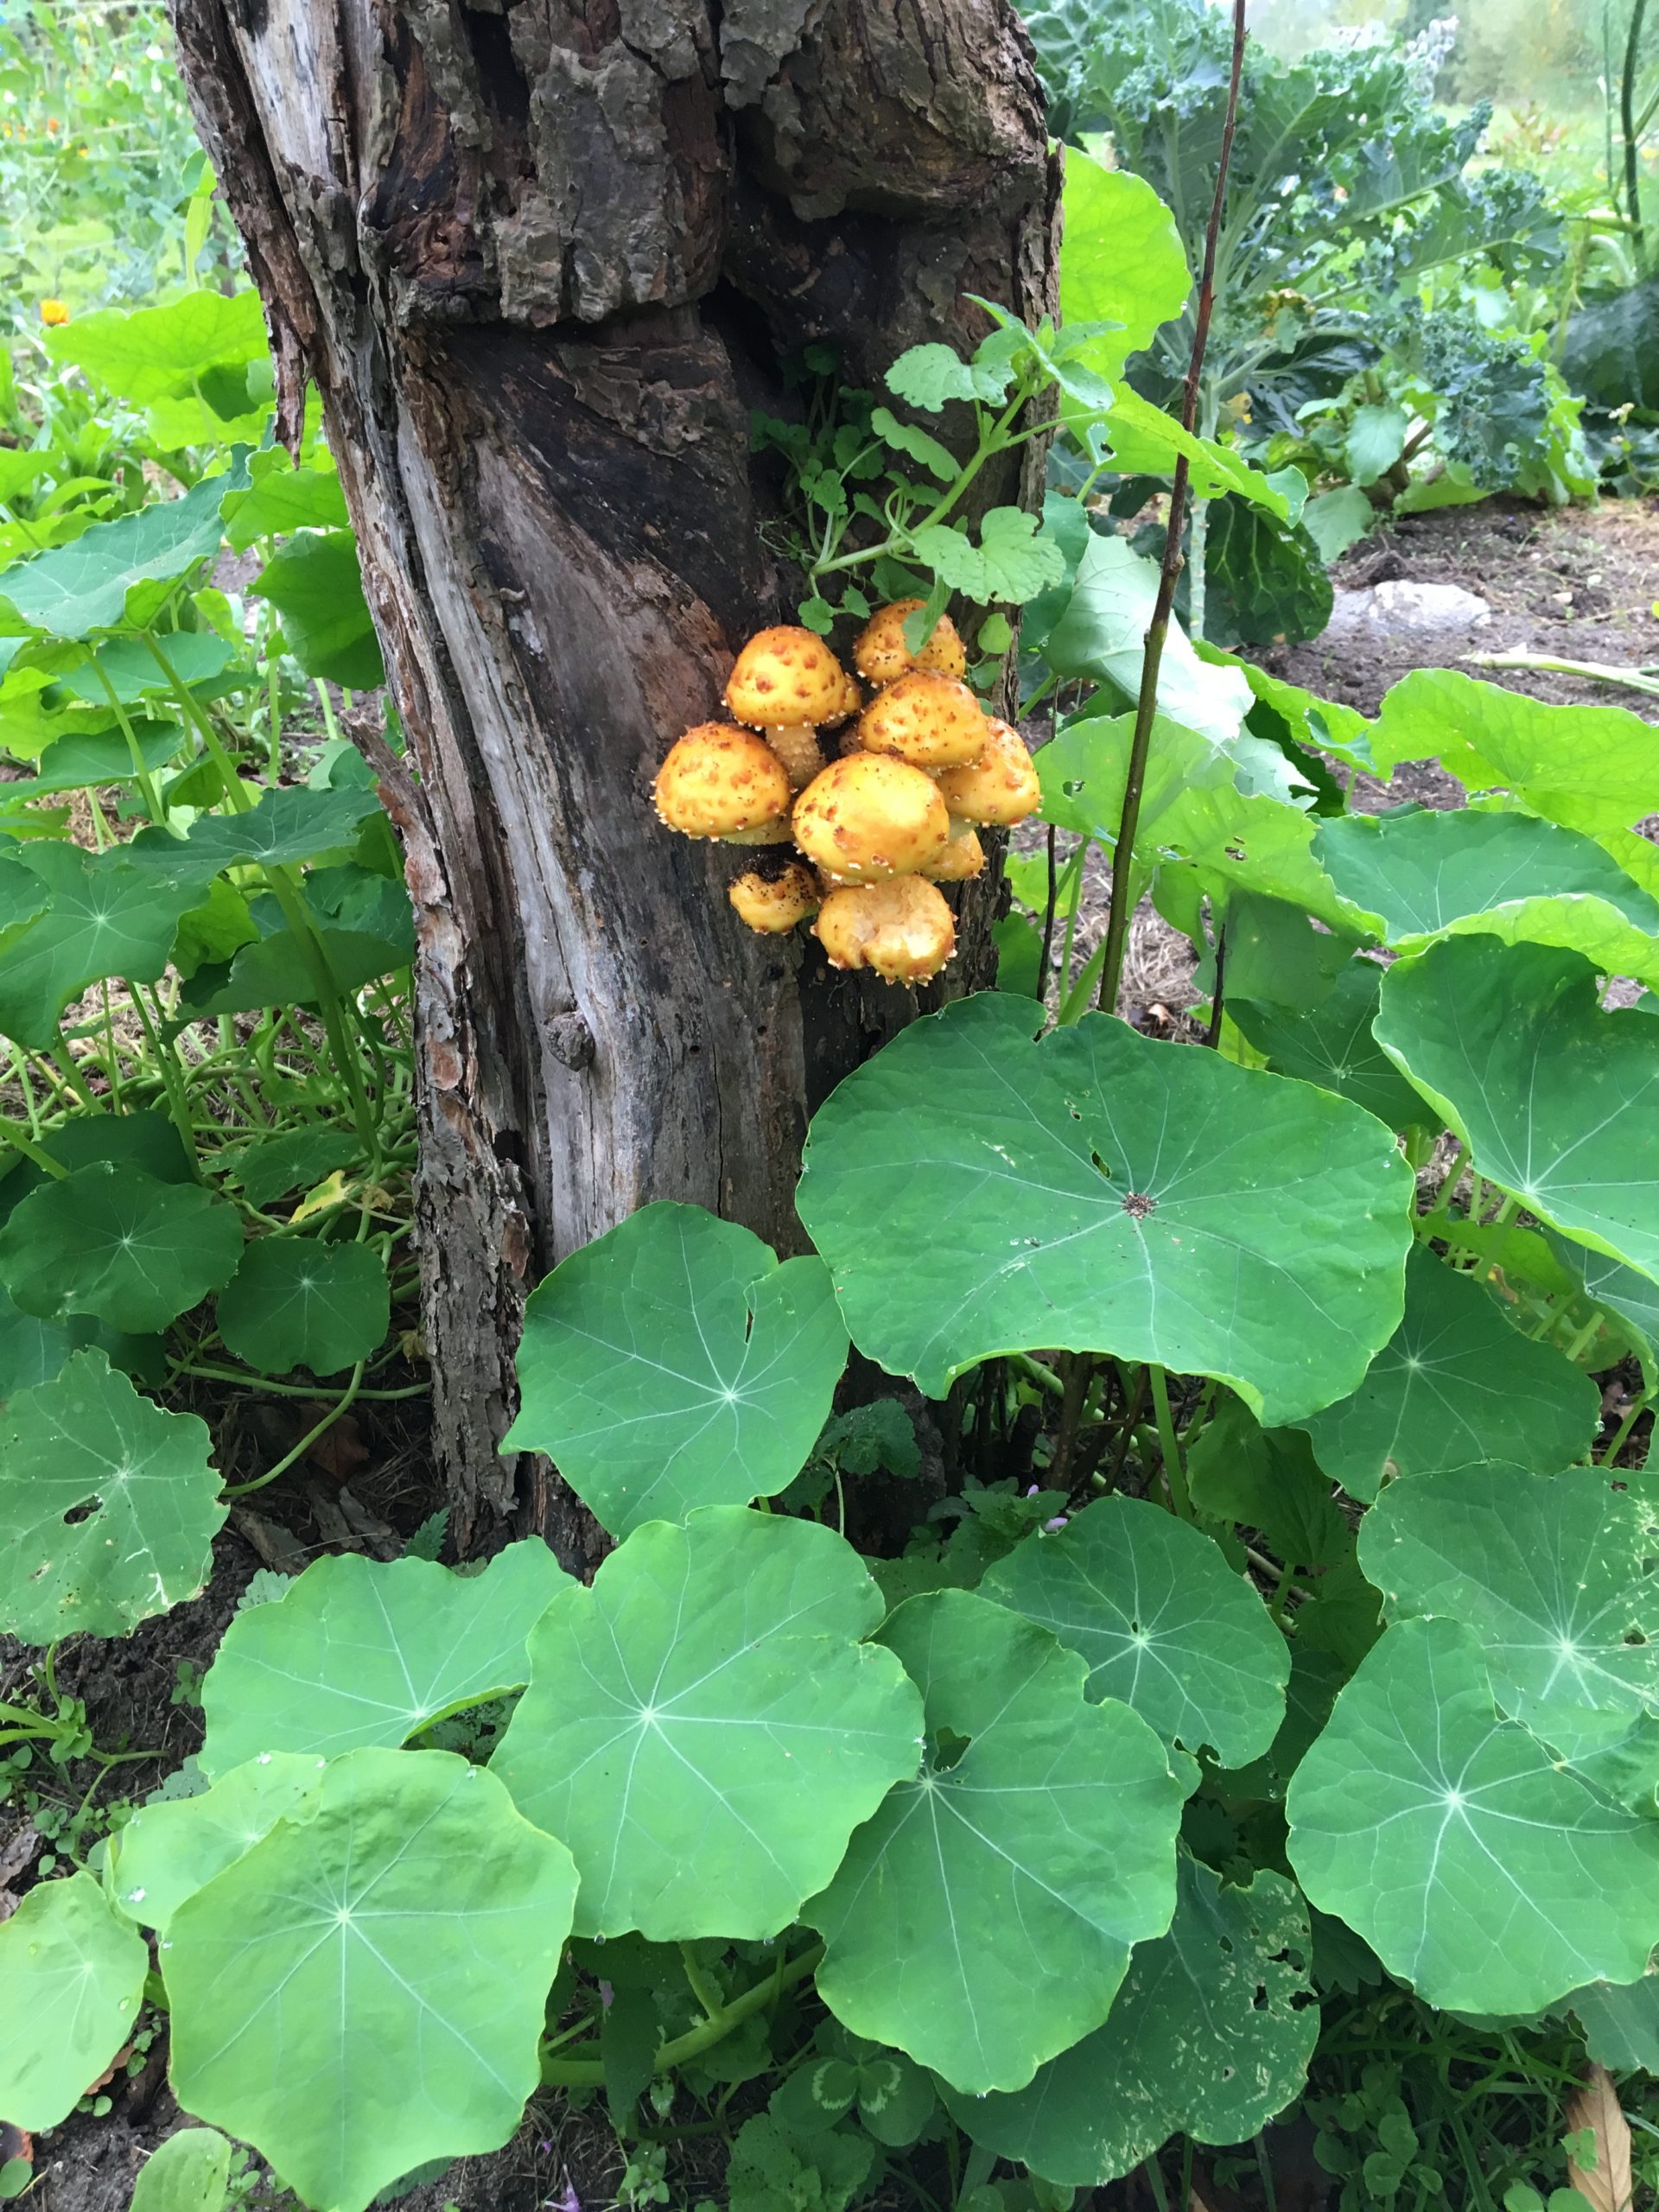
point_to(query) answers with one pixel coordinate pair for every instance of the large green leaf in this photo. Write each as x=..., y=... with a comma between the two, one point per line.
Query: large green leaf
x=314, y=584
x=127, y=667
x=1490, y=736
x=1210, y=2035
x=1121, y=260
x=1555, y=1098
x=160, y=352
x=1145, y=441
x=72, y=1974
x=83, y=586
x=1265, y=577
x=1332, y=1045
x=287, y=824
x=117, y=1243
x=1267, y=1479
x=674, y=1362
x=360, y=1652
x=363, y=1991
x=705, y=1728
x=107, y=915
x=294, y=1301
x=1102, y=635
x=173, y=1846
x=187, y=2173
x=1473, y=1863
x=975, y=1193
x=108, y=1505
x=33, y=1350
x=277, y=971
x=1455, y=1386
x=80, y=762
x=1620, y=2022
x=1558, y=1576
x=982, y=1919
x=283, y=498
x=1164, y=1624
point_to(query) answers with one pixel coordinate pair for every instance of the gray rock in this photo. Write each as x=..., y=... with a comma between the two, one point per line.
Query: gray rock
x=1407, y=610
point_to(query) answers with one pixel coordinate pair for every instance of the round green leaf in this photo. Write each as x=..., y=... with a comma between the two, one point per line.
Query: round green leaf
x=315, y=583
x=33, y=1350
x=1267, y=1479
x=360, y=1652
x=108, y=1506
x=82, y=586
x=188, y=2173
x=116, y=1243
x=1475, y=1866
x=364, y=1990
x=1557, y=1575
x=1165, y=1625
x=1620, y=2024
x=1457, y=1385
x=1333, y=1045
x=287, y=824
x=674, y=1362
x=171, y=1847
x=977, y=1193
x=107, y=915
x=1210, y=2035
x=1555, y=1099
x=294, y=1301
x=72, y=1973
x=705, y=1727
x=982, y=1920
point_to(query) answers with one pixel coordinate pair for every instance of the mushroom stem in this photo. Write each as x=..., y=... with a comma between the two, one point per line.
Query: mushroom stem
x=797, y=746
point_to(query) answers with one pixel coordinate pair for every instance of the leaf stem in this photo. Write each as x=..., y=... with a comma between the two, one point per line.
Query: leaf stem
x=259, y=1482
x=589, y=2072
x=1168, y=1443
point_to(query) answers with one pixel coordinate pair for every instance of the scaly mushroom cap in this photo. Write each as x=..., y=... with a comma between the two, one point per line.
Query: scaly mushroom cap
x=851, y=700
x=882, y=654
x=786, y=676
x=797, y=746
x=1000, y=787
x=961, y=859
x=867, y=817
x=930, y=719
x=774, y=904
x=901, y=930
x=718, y=781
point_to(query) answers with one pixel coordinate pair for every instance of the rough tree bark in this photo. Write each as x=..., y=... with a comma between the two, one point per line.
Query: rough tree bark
x=540, y=257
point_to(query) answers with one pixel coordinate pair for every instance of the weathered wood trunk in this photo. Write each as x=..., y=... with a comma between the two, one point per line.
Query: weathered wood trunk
x=540, y=257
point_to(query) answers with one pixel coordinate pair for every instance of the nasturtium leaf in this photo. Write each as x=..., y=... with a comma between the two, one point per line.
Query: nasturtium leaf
x=1555, y=1100
x=82, y=586
x=1103, y=634
x=1166, y=1625
x=674, y=1362
x=159, y=353
x=1474, y=1864
x=1620, y=2022
x=1332, y=1045
x=704, y=1727
x=72, y=1974
x=1557, y=1575
x=105, y=915
x=1490, y=736
x=296, y=1302
x=1634, y=1298
x=1457, y=1385
x=283, y=498
x=108, y=1505
x=1210, y=2036
x=173, y=1846
x=295, y=1161
x=32, y=1349
x=1267, y=1479
x=982, y=1919
x=363, y=1652
x=976, y=1192
x=1465, y=870
x=116, y=1243
x=287, y=824
x=314, y=584
x=127, y=667
x=364, y=1990
x=1121, y=260
x=187, y=2173
x=81, y=761
x=277, y=970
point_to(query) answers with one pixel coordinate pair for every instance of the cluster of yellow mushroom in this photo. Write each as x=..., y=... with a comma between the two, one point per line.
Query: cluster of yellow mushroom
x=923, y=768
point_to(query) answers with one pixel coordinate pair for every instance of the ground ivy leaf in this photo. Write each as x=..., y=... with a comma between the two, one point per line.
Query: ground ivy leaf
x=1332, y=1045
x=172, y=1848
x=1555, y=1098
x=1457, y=1385
x=368, y=1652
x=705, y=1728
x=116, y=1242
x=1165, y=1625
x=1554, y=1573
x=976, y=1192
x=364, y=1990
x=982, y=1919
x=294, y=1301
x=1210, y=2036
x=72, y=1974
x=1476, y=1867
x=674, y=1362
x=88, y=1439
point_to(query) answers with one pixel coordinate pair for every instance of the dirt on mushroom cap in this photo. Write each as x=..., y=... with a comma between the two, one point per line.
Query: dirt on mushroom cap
x=719, y=779
x=930, y=719
x=869, y=817
x=882, y=654
x=772, y=904
x=963, y=859
x=901, y=930
x=786, y=675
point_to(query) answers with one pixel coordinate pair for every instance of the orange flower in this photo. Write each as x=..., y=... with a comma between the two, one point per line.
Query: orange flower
x=53, y=312
x=52, y=124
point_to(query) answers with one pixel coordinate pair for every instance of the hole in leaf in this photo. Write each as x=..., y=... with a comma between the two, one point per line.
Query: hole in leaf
x=84, y=1511
x=1101, y=1164
x=948, y=1747
x=1634, y=1639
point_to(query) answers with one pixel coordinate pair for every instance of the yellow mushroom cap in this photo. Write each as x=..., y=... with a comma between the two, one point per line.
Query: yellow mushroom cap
x=930, y=719
x=869, y=817
x=787, y=677
x=774, y=904
x=963, y=859
x=718, y=780
x=882, y=654
x=1000, y=787
x=901, y=930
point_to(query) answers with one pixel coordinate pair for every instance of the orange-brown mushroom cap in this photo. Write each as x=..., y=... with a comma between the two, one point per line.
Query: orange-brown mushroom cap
x=930, y=719
x=882, y=654
x=786, y=676
x=900, y=931
x=718, y=780
x=869, y=817
x=1000, y=787
x=963, y=859
x=773, y=904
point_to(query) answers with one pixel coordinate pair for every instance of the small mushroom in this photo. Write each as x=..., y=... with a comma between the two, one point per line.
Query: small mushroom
x=961, y=859
x=774, y=904
x=797, y=746
x=784, y=677
x=900, y=931
x=1000, y=787
x=721, y=782
x=882, y=654
x=930, y=719
x=869, y=817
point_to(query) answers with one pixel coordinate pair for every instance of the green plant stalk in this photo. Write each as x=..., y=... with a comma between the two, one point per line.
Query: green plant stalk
x=1622, y=1435
x=289, y=1458
x=64, y=1060
x=153, y=803
x=12, y=1134
x=1596, y=671
x=589, y=2072
x=1168, y=1442
x=1632, y=135
x=172, y=1080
